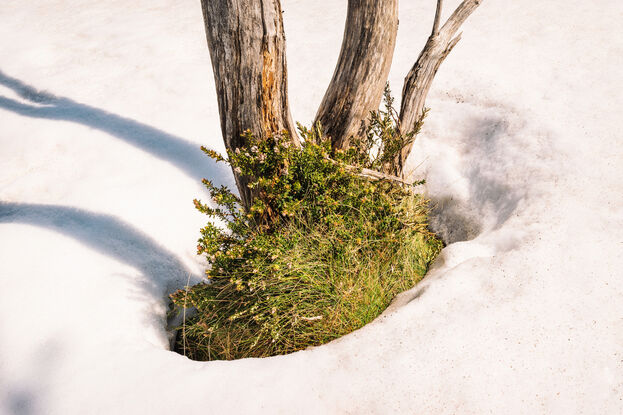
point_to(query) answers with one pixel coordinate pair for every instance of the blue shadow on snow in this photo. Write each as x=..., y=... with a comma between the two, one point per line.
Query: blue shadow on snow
x=107, y=235
x=181, y=153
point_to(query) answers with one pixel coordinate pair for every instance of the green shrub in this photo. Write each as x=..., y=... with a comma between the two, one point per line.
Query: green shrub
x=321, y=252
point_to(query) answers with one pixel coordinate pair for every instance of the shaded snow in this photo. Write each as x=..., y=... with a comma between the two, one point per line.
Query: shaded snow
x=102, y=108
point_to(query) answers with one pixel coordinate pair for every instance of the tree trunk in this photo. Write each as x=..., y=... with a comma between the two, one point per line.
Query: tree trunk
x=420, y=78
x=247, y=48
x=362, y=69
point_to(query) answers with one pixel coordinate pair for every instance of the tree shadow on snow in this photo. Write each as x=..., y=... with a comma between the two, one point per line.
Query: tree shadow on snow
x=24, y=396
x=183, y=154
x=107, y=235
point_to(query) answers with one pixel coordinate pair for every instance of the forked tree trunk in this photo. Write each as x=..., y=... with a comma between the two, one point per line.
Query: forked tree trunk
x=420, y=78
x=247, y=48
x=362, y=69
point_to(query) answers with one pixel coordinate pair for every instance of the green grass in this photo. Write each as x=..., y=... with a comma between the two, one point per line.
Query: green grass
x=319, y=253
x=315, y=284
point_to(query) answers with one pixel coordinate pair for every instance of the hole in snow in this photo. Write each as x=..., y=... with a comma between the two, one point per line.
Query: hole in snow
x=475, y=184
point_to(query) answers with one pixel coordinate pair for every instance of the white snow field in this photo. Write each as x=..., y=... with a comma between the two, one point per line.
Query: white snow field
x=103, y=105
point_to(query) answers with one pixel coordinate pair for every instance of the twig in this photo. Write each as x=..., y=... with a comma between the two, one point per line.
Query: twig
x=437, y=18
x=311, y=318
x=459, y=16
x=184, y=317
x=371, y=174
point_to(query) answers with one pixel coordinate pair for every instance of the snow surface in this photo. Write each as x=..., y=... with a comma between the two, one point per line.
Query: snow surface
x=102, y=108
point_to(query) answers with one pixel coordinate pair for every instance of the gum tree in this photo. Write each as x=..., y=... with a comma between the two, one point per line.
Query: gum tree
x=247, y=47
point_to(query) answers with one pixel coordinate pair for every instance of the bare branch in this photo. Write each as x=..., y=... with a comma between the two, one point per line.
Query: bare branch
x=452, y=43
x=376, y=175
x=437, y=18
x=420, y=78
x=459, y=16
x=371, y=174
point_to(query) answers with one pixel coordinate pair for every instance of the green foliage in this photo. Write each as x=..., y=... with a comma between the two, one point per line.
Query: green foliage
x=382, y=140
x=320, y=253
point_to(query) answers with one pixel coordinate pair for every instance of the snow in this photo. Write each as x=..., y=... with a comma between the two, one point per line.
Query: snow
x=103, y=106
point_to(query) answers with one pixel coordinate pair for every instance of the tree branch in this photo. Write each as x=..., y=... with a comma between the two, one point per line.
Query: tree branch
x=462, y=12
x=437, y=18
x=376, y=175
x=420, y=78
x=371, y=174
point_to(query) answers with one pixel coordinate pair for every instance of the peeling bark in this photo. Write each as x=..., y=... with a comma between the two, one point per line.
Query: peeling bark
x=247, y=47
x=362, y=69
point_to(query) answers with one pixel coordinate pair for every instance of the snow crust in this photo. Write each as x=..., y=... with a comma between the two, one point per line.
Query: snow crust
x=103, y=106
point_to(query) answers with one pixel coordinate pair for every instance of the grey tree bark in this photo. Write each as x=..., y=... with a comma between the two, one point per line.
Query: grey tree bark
x=362, y=69
x=247, y=49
